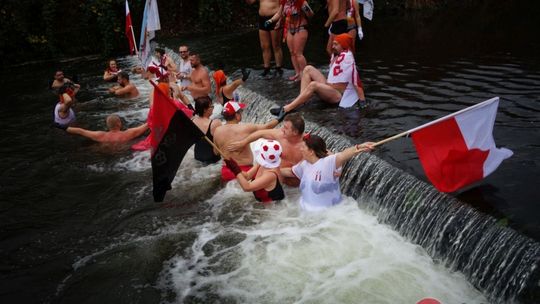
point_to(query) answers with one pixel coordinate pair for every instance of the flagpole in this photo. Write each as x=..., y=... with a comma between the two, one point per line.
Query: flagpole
x=134, y=41
x=435, y=121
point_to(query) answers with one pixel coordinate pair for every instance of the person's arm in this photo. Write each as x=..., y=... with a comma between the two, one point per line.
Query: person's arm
x=93, y=135
x=287, y=172
x=177, y=91
x=260, y=182
x=171, y=65
x=348, y=153
x=239, y=145
x=123, y=91
x=137, y=131
x=333, y=10
x=359, y=31
x=307, y=10
x=269, y=125
x=107, y=76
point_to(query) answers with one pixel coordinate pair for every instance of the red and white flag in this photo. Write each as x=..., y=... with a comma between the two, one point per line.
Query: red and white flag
x=129, y=32
x=458, y=150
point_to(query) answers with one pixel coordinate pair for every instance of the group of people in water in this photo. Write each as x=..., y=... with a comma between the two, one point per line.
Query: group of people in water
x=258, y=156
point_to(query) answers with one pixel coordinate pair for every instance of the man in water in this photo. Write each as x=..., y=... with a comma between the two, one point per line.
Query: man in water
x=200, y=80
x=343, y=85
x=290, y=136
x=114, y=135
x=184, y=73
x=233, y=131
x=269, y=34
x=125, y=88
x=60, y=80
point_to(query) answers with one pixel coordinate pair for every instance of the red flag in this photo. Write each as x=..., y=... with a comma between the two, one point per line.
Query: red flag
x=459, y=149
x=172, y=134
x=129, y=31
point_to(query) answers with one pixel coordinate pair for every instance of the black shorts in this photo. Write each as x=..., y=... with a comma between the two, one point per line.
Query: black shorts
x=262, y=20
x=339, y=27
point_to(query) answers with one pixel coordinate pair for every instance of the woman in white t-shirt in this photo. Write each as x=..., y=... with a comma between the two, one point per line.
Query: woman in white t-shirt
x=318, y=172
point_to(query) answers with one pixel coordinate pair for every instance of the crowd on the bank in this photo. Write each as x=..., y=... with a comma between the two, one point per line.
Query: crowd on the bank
x=287, y=155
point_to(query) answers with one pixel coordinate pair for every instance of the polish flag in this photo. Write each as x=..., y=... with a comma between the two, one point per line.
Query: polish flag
x=129, y=31
x=458, y=150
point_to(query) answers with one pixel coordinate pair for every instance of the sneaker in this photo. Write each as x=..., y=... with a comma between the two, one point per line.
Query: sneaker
x=276, y=111
x=279, y=71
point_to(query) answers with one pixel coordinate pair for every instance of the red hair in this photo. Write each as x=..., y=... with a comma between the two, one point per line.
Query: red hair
x=297, y=3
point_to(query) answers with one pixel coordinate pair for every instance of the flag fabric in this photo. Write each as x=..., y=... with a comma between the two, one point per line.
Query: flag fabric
x=150, y=24
x=368, y=8
x=172, y=134
x=129, y=31
x=458, y=150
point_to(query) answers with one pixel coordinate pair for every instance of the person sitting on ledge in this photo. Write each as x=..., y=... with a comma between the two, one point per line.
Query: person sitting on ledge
x=343, y=85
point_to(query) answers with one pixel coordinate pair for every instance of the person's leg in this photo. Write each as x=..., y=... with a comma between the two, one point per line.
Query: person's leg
x=325, y=92
x=309, y=74
x=300, y=40
x=290, y=44
x=352, y=33
x=276, y=46
x=264, y=38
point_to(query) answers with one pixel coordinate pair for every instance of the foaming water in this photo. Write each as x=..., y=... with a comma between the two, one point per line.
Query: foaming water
x=276, y=255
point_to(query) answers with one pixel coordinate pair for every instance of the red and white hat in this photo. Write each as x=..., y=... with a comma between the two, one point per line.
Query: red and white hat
x=232, y=107
x=268, y=153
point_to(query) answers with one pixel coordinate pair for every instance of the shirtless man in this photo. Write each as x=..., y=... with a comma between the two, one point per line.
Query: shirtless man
x=289, y=136
x=125, y=88
x=269, y=34
x=114, y=135
x=60, y=80
x=337, y=20
x=200, y=80
x=233, y=131
x=343, y=85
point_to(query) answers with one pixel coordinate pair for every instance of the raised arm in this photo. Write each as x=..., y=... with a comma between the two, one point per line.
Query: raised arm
x=93, y=135
x=239, y=145
x=348, y=153
x=137, y=131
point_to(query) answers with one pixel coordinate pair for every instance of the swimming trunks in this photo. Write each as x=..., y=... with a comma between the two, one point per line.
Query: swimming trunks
x=204, y=152
x=339, y=27
x=275, y=194
x=297, y=29
x=263, y=26
x=228, y=175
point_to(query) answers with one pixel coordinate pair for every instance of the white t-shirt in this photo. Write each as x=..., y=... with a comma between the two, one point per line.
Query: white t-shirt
x=318, y=186
x=343, y=70
x=185, y=69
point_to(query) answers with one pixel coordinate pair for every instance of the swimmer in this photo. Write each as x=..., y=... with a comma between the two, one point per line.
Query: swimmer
x=125, y=88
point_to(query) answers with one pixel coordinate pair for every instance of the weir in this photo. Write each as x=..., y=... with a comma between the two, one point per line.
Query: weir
x=496, y=259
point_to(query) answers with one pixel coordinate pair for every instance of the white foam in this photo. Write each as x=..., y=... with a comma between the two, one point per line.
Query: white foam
x=342, y=255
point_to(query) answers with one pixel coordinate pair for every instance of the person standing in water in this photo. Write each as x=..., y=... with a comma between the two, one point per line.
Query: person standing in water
x=114, y=135
x=63, y=112
x=295, y=14
x=124, y=88
x=269, y=34
x=319, y=183
x=204, y=152
x=263, y=179
x=111, y=72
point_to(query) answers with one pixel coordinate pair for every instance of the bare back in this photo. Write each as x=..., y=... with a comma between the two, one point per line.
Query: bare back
x=229, y=133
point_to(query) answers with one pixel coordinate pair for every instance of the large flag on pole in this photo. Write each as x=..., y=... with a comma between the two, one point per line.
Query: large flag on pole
x=150, y=24
x=458, y=149
x=129, y=31
x=172, y=134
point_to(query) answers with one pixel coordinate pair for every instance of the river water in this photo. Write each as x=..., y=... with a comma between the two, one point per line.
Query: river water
x=78, y=224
